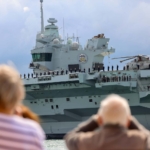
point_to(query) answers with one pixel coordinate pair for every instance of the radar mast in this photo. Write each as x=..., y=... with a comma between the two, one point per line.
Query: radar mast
x=42, y=18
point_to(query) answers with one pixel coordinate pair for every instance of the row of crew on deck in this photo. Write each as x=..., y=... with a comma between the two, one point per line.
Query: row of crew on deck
x=71, y=70
x=108, y=68
x=60, y=73
x=50, y=73
x=114, y=79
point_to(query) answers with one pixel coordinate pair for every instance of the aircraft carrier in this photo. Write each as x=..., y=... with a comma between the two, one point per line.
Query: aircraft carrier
x=69, y=81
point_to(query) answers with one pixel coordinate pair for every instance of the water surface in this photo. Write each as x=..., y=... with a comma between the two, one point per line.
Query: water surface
x=55, y=145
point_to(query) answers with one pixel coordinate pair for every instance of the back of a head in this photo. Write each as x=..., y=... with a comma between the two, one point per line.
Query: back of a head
x=114, y=110
x=11, y=87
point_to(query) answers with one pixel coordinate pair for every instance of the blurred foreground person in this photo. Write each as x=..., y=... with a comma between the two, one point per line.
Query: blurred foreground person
x=16, y=133
x=25, y=112
x=118, y=131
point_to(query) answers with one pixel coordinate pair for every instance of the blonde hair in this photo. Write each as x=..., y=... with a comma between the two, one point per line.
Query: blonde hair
x=11, y=87
x=114, y=110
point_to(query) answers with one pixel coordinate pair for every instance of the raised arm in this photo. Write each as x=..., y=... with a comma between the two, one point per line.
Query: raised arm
x=73, y=139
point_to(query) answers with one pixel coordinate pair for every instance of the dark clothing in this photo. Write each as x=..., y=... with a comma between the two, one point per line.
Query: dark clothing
x=108, y=137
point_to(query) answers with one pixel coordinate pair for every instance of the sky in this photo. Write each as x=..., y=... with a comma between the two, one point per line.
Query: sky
x=125, y=22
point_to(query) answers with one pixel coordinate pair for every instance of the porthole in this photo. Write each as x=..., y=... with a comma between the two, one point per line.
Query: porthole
x=67, y=99
x=51, y=100
x=90, y=100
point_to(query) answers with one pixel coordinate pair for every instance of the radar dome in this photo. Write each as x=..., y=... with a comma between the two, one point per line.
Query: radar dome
x=42, y=35
x=69, y=41
x=75, y=46
x=55, y=41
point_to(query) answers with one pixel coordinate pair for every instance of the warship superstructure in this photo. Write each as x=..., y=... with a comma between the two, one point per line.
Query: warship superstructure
x=69, y=81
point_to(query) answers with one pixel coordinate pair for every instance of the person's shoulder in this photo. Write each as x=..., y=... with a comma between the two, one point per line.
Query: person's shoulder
x=136, y=134
x=137, y=139
x=32, y=125
x=24, y=121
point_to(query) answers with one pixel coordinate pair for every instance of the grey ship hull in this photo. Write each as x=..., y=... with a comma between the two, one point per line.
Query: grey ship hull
x=62, y=106
x=68, y=84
